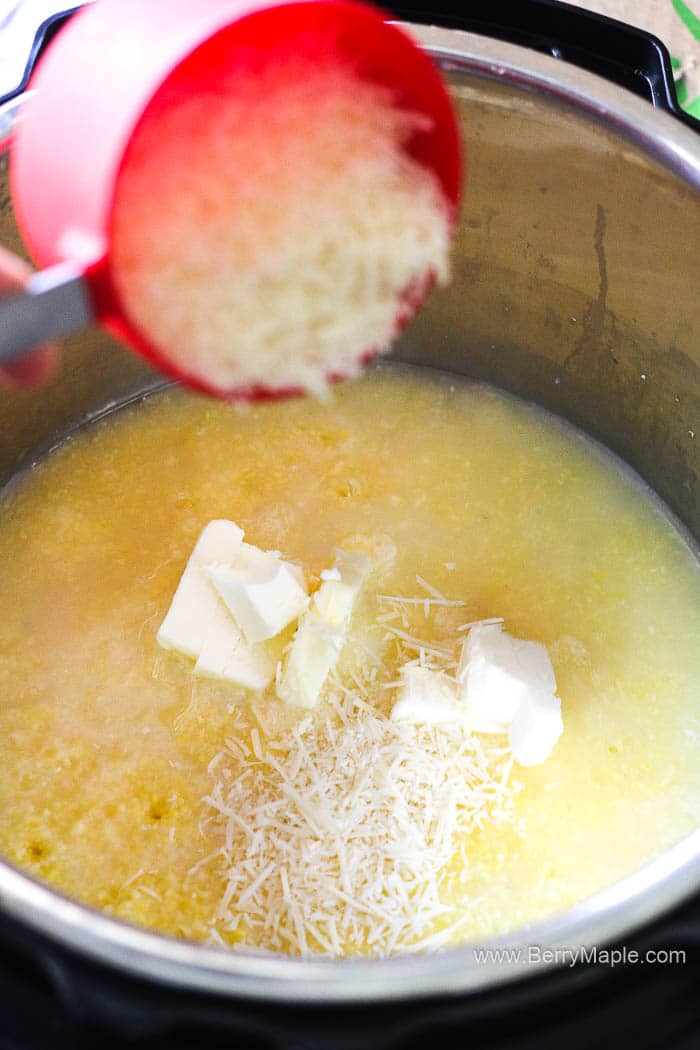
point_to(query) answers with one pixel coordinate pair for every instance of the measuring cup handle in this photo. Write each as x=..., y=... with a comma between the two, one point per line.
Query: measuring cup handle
x=53, y=303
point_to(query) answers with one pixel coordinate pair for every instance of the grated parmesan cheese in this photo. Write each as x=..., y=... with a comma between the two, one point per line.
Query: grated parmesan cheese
x=344, y=831
x=342, y=842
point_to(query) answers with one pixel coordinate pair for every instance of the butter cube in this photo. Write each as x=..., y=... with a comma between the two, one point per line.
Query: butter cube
x=321, y=634
x=498, y=673
x=509, y=686
x=198, y=624
x=196, y=612
x=262, y=592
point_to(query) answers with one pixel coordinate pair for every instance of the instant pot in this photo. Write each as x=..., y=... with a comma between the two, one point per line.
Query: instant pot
x=576, y=286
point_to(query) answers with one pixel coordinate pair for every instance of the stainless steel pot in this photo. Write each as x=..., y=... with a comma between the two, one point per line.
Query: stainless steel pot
x=577, y=286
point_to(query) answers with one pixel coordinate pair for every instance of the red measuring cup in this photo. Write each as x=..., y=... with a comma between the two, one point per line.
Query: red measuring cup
x=86, y=99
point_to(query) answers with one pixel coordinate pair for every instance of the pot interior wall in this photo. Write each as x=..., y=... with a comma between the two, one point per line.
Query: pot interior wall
x=575, y=285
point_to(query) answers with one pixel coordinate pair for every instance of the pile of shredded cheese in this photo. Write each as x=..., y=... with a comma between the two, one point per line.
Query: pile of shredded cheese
x=342, y=831
x=339, y=839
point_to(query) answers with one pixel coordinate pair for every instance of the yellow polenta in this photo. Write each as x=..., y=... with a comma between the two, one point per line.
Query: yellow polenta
x=107, y=742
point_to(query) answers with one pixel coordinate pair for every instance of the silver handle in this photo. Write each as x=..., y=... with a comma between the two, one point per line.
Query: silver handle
x=53, y=303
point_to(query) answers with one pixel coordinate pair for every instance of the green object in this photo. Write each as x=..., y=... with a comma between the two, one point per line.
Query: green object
x=692, y=23
x=689, y=19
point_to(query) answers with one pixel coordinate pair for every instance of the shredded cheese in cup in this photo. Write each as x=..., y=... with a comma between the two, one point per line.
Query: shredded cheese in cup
x=274, y=235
